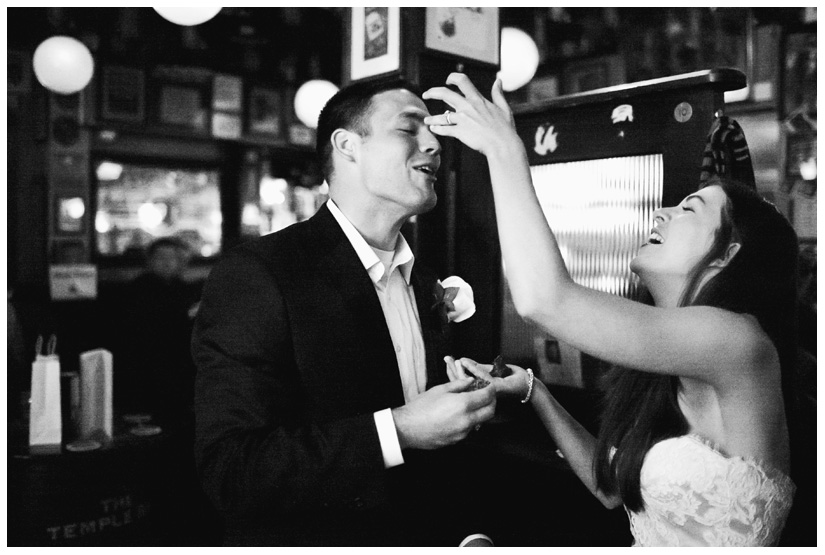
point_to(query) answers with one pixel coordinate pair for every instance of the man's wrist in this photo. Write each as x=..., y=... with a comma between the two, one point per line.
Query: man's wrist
x=398, y=421
x=388, y=438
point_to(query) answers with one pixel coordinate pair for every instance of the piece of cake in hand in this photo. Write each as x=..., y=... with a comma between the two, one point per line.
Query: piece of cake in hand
x=500, y=370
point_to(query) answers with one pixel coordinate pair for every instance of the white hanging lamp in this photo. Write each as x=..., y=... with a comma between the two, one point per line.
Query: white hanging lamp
x=63, y=64
x=188, y=16
x=519, y=58
x=311, y=98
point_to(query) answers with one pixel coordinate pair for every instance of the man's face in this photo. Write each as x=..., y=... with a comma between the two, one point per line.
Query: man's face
x=399, y=158
x=166, y=262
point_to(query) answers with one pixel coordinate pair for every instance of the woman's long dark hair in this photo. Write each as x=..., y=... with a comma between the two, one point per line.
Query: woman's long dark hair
x=760, y=280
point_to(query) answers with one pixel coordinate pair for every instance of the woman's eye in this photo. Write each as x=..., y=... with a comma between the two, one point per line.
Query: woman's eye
x=687, y=209
x=408, y=131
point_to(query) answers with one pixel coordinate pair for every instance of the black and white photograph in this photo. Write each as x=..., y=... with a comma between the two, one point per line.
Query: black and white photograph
x=266, y=111
x=18, y=72
x=467, y=32
x=414, y=277
x=375, y=41
x=123, y=94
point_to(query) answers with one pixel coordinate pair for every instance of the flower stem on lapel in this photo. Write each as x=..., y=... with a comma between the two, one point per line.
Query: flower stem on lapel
x=444, y=297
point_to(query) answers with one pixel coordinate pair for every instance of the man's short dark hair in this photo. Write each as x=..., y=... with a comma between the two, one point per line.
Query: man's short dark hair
x=168, y=241
x=350, y=109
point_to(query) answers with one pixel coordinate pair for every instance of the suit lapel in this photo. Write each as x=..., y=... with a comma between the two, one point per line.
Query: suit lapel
x=344, y=272
x=432, y=330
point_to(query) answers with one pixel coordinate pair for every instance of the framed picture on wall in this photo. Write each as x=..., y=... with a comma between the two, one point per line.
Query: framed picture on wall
x=375, y=41
x=265, y=115
x=799, y=75
x=70, y=212
x=183, y=105
x=227, y=93
x=226, y=125
x=18, y=72
x=123, y=94
x=65, y=250
x=471, y=33
x=585, y=76
x=594, y=73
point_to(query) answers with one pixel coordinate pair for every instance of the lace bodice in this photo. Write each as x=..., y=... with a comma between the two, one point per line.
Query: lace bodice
x=696, y=496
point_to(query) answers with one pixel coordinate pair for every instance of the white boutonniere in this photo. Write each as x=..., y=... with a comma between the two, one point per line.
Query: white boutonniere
x=453, y=299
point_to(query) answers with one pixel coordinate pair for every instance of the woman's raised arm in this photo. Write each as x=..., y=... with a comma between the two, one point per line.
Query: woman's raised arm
x=694, y=341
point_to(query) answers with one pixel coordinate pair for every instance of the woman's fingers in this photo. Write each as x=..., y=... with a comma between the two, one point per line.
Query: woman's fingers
x=472, y=368
x=497, y=94
x=452, y=371
x=464, y=84
x=453, y=99
x=458, y=101
x=477, y=122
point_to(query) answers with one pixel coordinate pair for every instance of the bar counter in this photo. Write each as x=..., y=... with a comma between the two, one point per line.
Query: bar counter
x=132, y=491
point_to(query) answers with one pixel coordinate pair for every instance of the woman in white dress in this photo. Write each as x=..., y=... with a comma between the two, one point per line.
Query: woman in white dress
x=694, y=440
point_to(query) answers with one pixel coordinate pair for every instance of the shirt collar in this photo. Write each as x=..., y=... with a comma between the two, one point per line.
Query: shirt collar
x=403, y=259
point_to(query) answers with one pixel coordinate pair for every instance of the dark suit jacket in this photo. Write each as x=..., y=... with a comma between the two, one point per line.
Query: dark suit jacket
x=294, y=356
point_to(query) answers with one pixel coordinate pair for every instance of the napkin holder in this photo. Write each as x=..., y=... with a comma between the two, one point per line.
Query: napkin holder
x=96, y=395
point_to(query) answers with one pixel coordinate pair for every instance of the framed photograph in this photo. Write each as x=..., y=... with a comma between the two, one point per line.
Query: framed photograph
x=70, y=212
x=375, y=41
x=265, y=112
x=543, y=87
x=18, y=72
x=66, y=250
x=72, y=281
x=585, y=76
x=764, y=42
x=123, y=94
x=471, y=33
x=799, y=75
x=593, y=73
x=183, y=105
x=226, y=125
x=227, y=93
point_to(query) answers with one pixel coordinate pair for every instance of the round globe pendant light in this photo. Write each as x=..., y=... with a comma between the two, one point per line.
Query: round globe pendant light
x=63, y=65
x=311, y=98
x=519, y=58
x=188, y=16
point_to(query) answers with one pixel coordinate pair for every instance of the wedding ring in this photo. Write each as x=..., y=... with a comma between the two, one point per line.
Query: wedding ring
x=447, y=113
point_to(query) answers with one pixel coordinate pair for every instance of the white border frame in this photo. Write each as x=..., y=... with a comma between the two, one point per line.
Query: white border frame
x=468, y=42
x=391, y=61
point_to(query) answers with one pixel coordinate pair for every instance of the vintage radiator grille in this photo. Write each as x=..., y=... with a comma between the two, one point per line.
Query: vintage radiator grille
x=601, y=212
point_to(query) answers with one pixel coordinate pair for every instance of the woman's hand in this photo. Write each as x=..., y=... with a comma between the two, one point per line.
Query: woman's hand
x=514, y=385
x=482, y=125
x=456, y=369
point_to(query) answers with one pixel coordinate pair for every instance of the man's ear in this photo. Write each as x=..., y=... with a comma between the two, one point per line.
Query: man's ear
x=731, y=251
x=344, y=143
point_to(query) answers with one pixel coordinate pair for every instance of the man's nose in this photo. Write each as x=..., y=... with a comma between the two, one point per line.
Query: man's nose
x=428, y=142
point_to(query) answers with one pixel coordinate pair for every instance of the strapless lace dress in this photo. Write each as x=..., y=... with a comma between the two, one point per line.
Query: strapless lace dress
x=696, y=496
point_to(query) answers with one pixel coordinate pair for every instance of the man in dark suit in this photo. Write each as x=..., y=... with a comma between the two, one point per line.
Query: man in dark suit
x=324, y=415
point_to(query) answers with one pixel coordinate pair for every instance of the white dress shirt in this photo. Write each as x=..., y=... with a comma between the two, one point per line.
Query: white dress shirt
x=390, y=273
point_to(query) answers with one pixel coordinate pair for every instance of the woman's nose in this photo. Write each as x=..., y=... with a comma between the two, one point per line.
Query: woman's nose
x=660, y=215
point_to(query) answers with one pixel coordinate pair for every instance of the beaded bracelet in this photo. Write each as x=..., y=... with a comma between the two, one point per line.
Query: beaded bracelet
x=529, y=386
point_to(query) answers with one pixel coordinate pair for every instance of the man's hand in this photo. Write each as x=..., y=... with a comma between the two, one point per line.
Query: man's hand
x=443, y=415
x=513, y=385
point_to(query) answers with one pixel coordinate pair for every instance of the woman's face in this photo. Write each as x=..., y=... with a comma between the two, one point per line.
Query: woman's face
x=680, y=237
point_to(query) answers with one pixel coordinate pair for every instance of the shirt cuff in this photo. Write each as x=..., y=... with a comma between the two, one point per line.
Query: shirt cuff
x=388, y=437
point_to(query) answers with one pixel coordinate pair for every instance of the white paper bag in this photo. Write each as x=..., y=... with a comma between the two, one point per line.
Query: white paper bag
x=45, y=425
x=96, y=394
